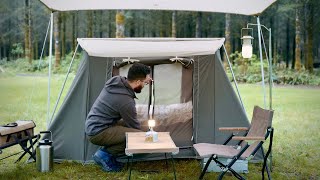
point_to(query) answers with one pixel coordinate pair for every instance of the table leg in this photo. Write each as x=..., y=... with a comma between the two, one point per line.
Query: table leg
x=24, y=146
x=174, y=170
x=130, y=164
x=27, y=150
x=165, y=154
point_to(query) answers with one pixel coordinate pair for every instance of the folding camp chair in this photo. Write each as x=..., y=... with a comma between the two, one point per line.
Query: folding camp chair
x=247, y=146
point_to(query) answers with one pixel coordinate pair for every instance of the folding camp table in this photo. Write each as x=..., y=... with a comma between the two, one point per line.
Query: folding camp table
x=19, y=133
x=135, y=144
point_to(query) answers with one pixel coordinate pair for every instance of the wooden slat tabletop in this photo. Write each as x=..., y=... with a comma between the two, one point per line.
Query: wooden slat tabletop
x=136, y=144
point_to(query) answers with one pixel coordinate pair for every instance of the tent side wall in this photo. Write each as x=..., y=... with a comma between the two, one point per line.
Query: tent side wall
x=215, y=102
x=228, y=110
x=67, y=127
x=69, y=138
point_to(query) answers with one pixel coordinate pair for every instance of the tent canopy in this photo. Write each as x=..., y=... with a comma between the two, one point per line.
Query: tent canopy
x=149, y=47
x=244, y=7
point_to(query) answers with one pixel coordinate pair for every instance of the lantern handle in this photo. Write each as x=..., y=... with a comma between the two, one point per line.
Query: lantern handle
x=248, y=30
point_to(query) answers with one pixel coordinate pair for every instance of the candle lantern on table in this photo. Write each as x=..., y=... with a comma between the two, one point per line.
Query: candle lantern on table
x=151, y=135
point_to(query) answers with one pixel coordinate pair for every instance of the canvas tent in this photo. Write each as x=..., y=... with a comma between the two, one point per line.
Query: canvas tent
x=211, y=92
x=201, y=98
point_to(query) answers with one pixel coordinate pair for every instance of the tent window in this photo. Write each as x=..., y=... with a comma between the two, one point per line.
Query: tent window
x=167, y=81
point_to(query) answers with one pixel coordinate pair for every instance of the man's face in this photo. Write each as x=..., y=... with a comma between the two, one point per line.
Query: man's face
x=142, y=83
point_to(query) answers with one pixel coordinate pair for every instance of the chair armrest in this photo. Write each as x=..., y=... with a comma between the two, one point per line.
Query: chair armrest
x=233, y=129
x=255, y=138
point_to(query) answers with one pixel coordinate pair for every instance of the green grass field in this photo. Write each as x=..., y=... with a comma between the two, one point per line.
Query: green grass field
x=296, y=150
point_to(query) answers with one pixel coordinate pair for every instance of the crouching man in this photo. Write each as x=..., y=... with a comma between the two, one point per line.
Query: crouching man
x=115, y=102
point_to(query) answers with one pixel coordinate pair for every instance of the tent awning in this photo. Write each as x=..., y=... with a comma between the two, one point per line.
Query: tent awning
x=244, y=7
x=150, y=47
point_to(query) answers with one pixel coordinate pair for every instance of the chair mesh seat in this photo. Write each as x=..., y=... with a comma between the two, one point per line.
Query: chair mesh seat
x=206, y=150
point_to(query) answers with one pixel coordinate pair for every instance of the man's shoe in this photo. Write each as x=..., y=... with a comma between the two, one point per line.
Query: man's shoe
x=106, y=161
x=120, y=165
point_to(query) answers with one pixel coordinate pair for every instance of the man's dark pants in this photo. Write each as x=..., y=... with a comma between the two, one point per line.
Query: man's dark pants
x=113, y=138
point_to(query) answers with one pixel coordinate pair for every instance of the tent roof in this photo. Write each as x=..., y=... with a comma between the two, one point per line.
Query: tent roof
x=150, y=47
x=244, y=7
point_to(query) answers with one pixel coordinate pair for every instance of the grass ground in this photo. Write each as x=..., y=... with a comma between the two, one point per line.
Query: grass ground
x=296, y=121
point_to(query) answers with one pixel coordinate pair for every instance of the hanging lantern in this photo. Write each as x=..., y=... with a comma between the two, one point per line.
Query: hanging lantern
x=246, y=43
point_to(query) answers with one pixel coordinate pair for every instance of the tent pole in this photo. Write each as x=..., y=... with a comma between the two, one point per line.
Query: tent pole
x=270, y=86
x=261, y=62
x=270, y=71
x=262, y=74
x=49, y=72
x=234, y=78
x=64, y=83
x=269, y=58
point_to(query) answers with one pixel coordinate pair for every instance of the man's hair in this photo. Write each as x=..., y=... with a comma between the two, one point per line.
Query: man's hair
x=138, y=71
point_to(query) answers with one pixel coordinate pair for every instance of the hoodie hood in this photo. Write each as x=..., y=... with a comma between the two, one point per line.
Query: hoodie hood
x=119, y=85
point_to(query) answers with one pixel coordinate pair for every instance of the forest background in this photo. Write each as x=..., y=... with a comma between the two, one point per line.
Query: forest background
x=294, y=24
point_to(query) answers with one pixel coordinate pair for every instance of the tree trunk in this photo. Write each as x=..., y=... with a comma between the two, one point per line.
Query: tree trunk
x=275, y=41
x=36, y=48
x=120, y=19
x=144, y=31
x=137, y=24
x=109, y=27
x=161, y=24
x=94, y=23
x=30, y=33
x=27, y=31
x=99, y=17
x=57, y=38
x=173, y=24
x=297, y=64
x=63, y=34
x=5, y=51
x=228, y=38
x=130, y=24
x=287, y=43
x=293, y=53
x=106, y=18
x=74, y=34
x=309, y=64
x=199, y=25
x=90, y=24
x=0, y=49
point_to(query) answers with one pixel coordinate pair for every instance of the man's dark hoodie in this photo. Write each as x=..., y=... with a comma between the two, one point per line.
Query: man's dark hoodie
x=115, y=102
